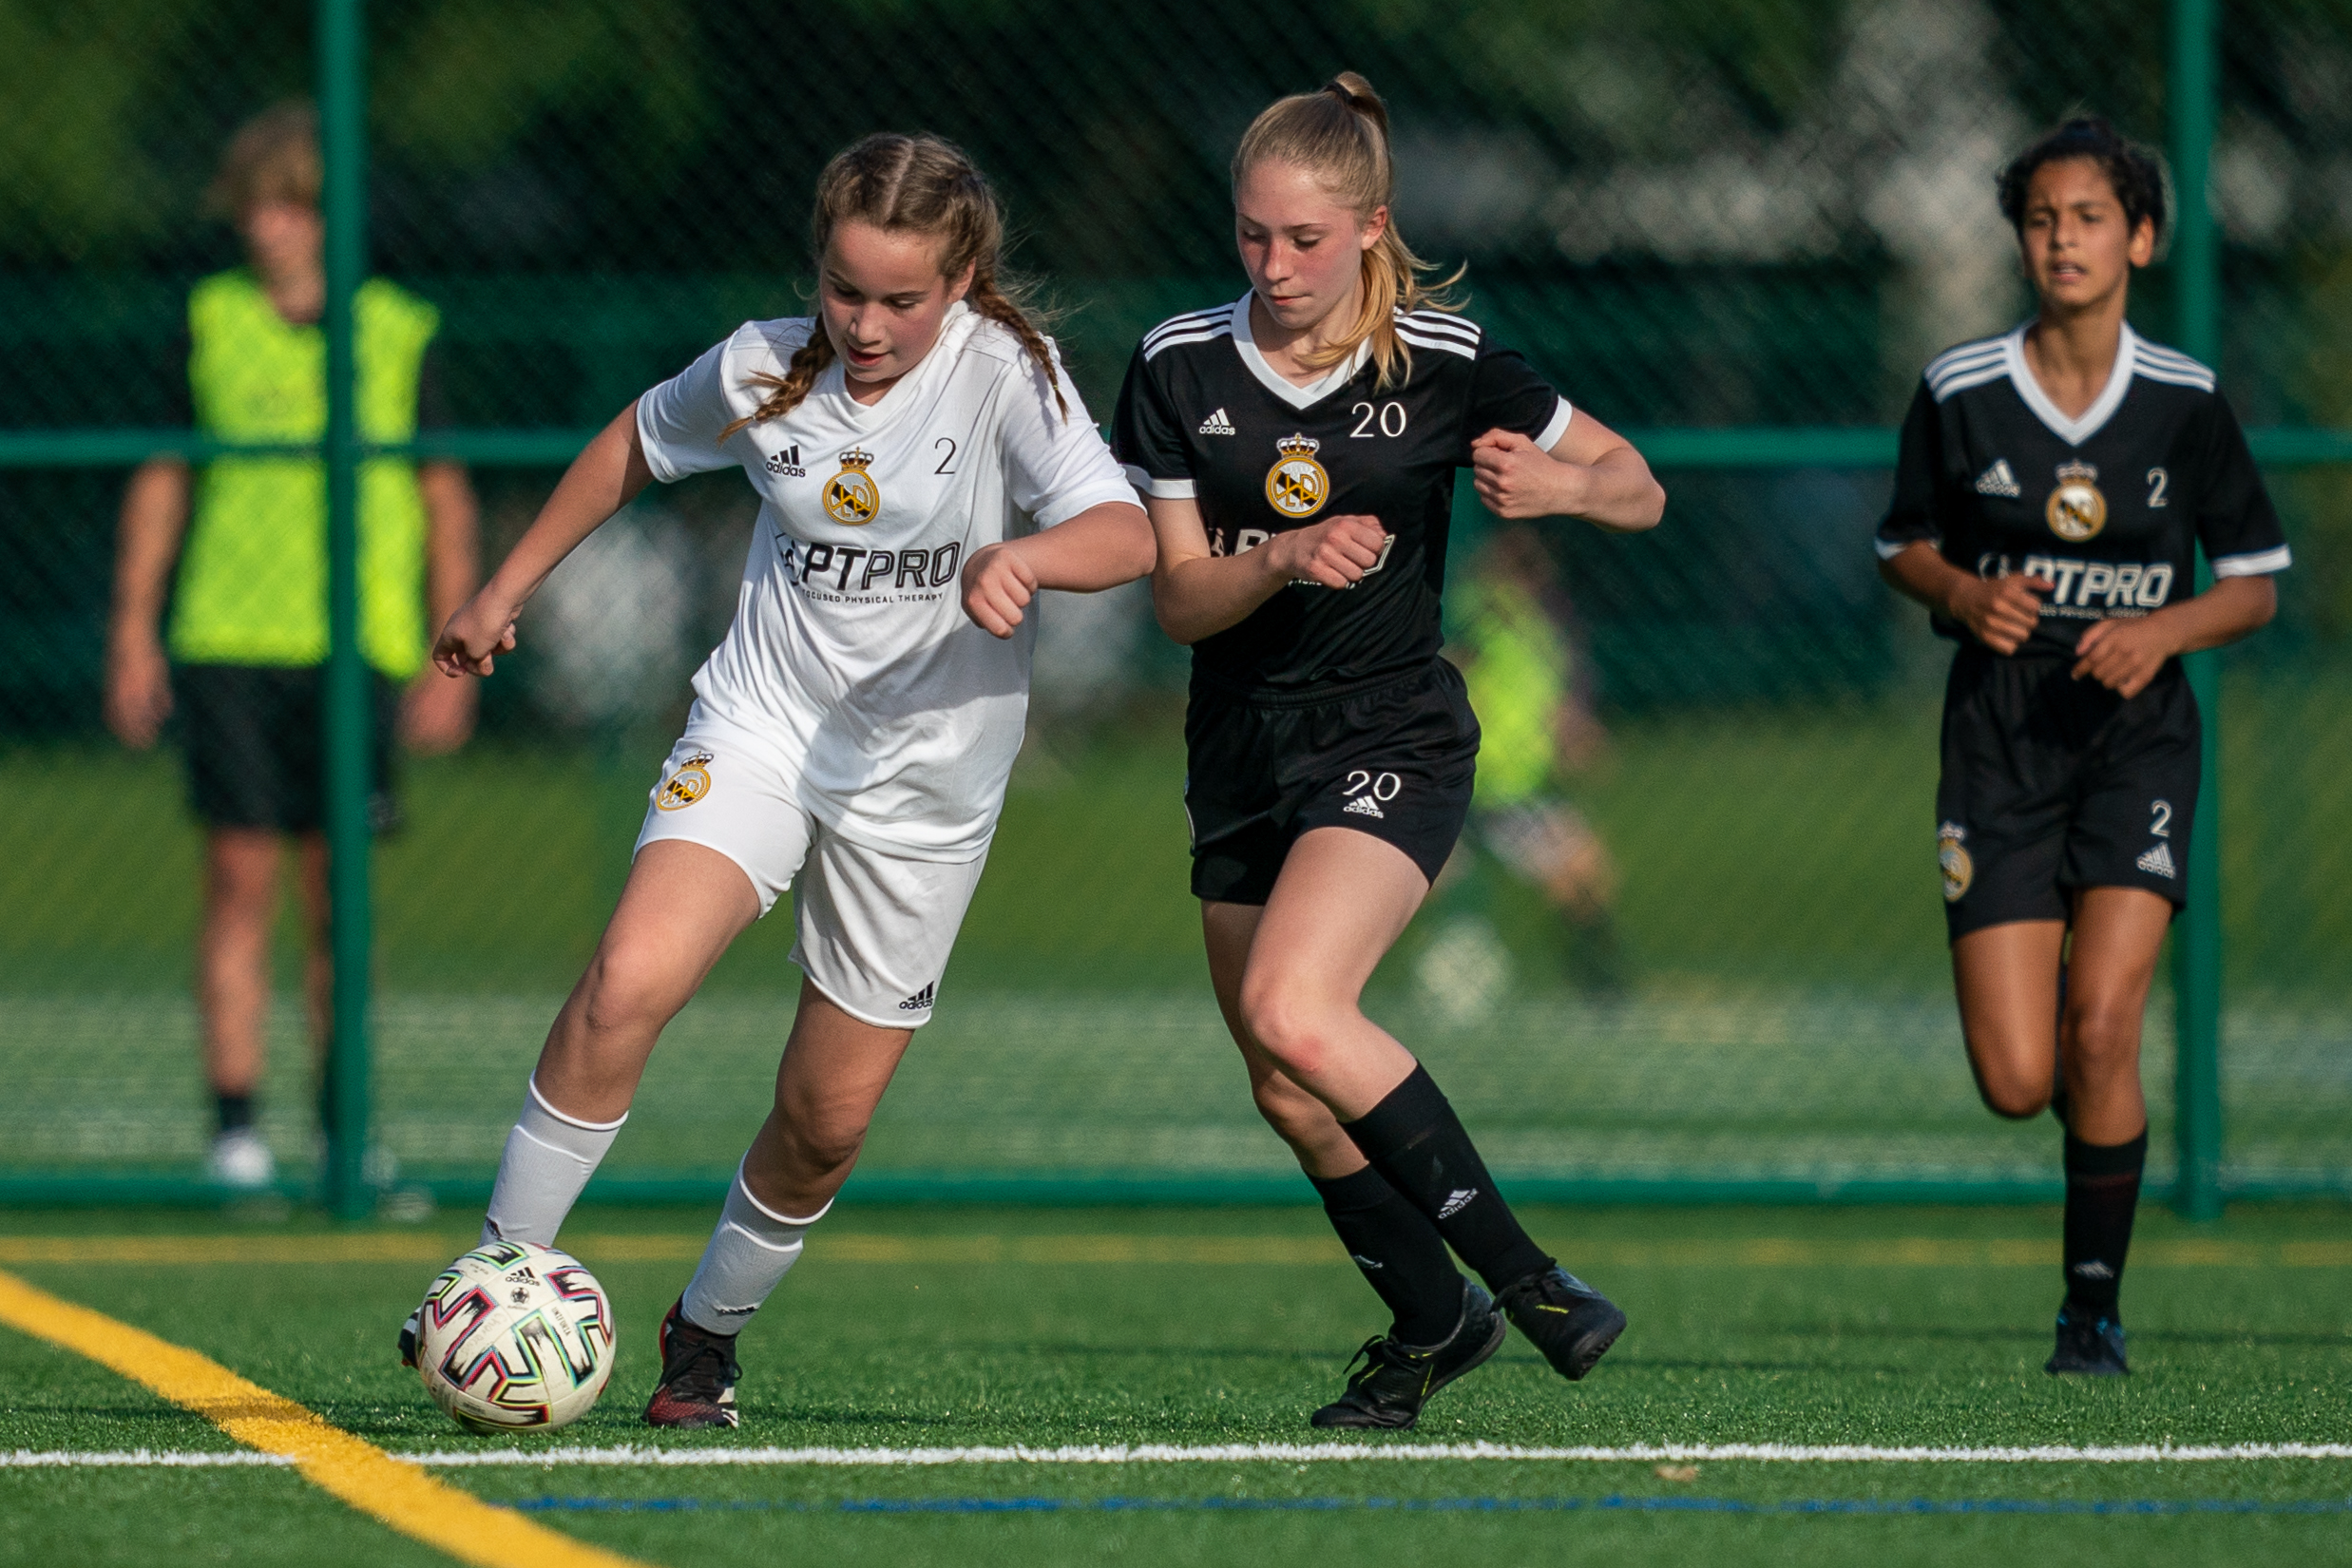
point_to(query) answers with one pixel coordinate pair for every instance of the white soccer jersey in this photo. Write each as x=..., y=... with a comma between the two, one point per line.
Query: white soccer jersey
x=851, y=650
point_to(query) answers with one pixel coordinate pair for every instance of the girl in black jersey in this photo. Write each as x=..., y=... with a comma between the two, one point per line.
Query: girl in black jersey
x=2053, y=487
x=1297, y=452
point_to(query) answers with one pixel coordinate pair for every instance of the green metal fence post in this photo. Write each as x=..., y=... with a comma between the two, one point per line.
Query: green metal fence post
x=342, y=123
x=2196, y=945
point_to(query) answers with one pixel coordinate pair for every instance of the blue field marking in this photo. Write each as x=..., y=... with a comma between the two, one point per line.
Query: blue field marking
x=1614, y=1503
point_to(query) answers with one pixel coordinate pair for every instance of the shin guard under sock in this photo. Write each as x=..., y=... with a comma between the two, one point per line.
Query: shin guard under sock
x=1414, y=1139
x=548, y=1159
x=750, y=1251
x=1402, y=1254
x=2102, y=1193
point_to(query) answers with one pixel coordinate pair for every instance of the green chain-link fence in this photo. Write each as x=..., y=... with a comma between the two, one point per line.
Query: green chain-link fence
x=1734, y=227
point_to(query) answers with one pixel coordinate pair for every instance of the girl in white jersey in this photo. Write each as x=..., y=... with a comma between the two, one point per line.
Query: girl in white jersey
x=852, y=735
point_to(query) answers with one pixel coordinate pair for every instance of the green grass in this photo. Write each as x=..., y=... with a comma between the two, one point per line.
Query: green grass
x=1848, y=1349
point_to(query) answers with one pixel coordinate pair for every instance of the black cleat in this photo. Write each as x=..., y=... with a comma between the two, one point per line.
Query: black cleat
x=2090, y=1345
x=1569, y=1321
x=1397, y=1380
x=699, y=1373
x=408, y=1337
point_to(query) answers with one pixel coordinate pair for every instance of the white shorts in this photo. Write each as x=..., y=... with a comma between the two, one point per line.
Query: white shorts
x=873, y=930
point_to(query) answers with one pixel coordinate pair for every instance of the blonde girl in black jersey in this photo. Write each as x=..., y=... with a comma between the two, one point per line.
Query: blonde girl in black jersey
x=1330, y=750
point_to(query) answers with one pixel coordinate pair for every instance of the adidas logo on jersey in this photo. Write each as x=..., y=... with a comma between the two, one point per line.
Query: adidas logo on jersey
x=920, y=1002
x=1217, y=424
x=2158, y=862
x=787, y=463
x=1998, y=480
x=1364, y=805
x=1456, y=1202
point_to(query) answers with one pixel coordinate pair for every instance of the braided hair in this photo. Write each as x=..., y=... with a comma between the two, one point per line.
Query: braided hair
x=911, y=184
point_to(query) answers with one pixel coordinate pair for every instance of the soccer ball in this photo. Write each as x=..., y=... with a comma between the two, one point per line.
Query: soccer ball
x=515, y=1337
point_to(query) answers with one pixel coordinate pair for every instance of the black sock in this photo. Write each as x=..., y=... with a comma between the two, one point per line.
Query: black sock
x=1414, y=1139
x=2102, y=1192
x=1399, y=1251
x=234, y=1111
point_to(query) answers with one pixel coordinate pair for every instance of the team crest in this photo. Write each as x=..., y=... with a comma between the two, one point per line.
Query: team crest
x=1952, y=858
x=1297, y=486
x=2077, y=510
x=686, y=786
x=851, y=496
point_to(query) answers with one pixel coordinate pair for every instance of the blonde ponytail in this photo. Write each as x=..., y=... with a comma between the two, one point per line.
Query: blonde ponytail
x=1340, y=133
x=917, y=185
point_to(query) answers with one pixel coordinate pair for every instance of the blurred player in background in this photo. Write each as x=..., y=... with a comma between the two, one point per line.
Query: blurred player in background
x=2053, y=487
x=1512, y=633
x=241, y=664
x=852, y=735
x=1297, y=449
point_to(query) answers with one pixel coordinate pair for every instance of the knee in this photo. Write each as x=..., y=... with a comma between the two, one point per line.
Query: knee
x=2103, y=1040
x=2006, y=1089
x=823, y=1139
x=625, y=990
x=1290, y=1029
x=2015, y=1101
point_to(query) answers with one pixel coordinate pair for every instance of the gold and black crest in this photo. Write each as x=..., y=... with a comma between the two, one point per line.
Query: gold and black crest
x=2077, y=510
x=1297, y=486
x=852, y=496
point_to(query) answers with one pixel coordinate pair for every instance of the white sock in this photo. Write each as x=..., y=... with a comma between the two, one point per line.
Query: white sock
x=751, y=1249
x=549, y=1158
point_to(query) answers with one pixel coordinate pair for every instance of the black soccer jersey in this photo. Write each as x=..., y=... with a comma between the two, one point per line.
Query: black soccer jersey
x=2110, y=507
x=1203, y=415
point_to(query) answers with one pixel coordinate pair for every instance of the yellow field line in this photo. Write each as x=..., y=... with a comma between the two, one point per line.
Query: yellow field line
x=852, y=1247
x=402, y=1496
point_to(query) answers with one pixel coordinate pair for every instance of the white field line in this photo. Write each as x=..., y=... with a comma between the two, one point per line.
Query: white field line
x=1287, y=1453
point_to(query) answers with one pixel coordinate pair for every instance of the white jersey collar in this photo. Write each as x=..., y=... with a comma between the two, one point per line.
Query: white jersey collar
x=957, y=325
x=1280, y=385
x=2073, y=431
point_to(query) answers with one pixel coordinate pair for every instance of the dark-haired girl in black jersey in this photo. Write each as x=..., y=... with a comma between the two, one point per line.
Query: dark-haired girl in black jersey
x=2053, y=487
x=1297, y=452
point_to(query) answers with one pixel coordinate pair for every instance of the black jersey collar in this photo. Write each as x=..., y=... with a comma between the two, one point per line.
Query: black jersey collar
x=2073, y=431
x=1274, y=381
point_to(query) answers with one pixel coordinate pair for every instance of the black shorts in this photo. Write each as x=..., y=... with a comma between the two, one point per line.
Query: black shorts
x=256, y=753
x=1395, y=760
x=2053, y=784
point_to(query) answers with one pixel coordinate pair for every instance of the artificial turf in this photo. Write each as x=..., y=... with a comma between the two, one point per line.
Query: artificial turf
x=904, y=1328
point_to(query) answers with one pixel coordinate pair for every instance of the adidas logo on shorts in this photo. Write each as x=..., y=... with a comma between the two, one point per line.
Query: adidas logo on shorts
x=1364, y=805
x=1217, y=424
x=920, y=1002
x=1456, y=1202
x=2158, y=862
x=1998, y=480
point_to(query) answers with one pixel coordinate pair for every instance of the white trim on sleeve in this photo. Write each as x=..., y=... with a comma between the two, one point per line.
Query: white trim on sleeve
x=1159, y=489
x=1561, y=417
x=1889, y=548
x=2260, y=564
x=1093, y=495
x=656, y=455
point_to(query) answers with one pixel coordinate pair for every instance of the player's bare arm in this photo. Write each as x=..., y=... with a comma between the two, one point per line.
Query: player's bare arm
x=155, y=514
x=606, y=477
x=1591, y=473
x=438, y=711
x=2002, y=612
x=1196, y=594
x=2125, y=656
x=1100, y=547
